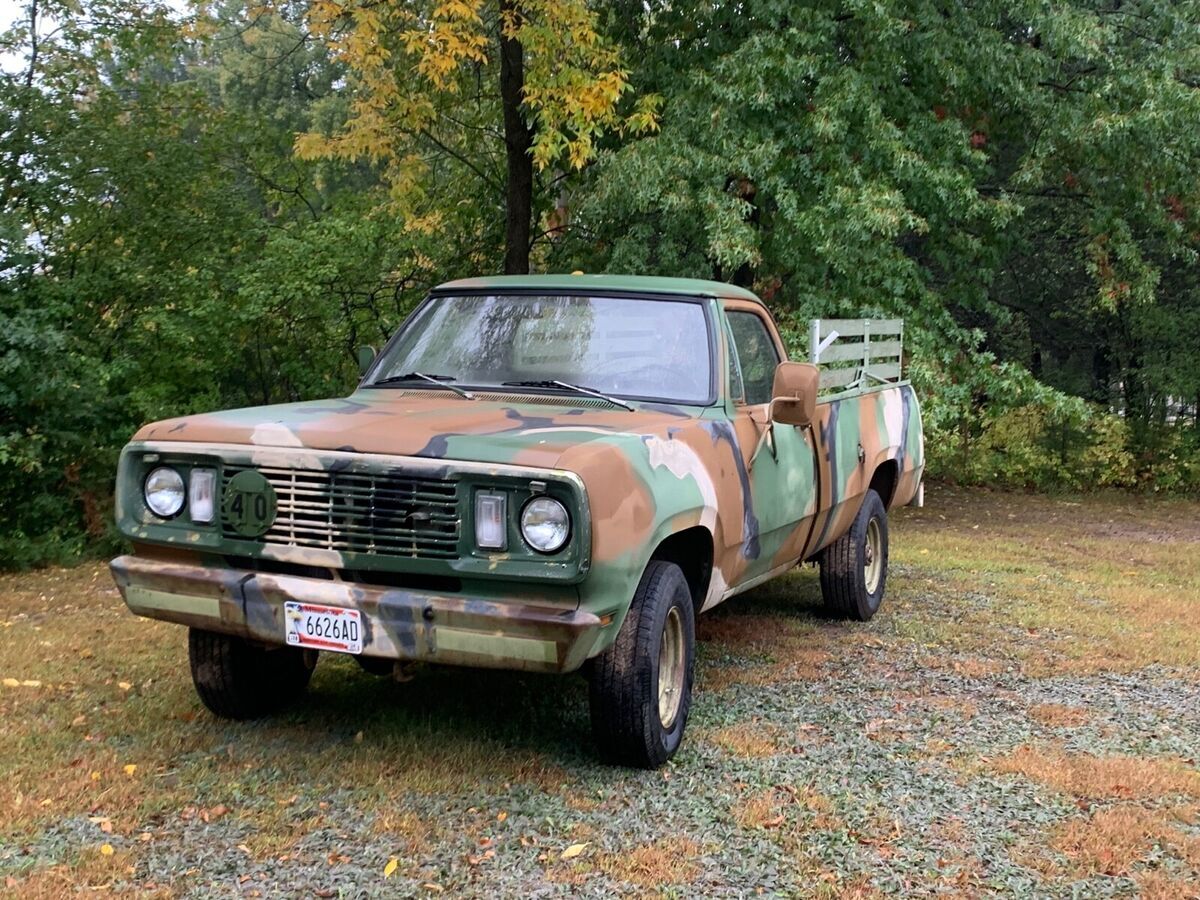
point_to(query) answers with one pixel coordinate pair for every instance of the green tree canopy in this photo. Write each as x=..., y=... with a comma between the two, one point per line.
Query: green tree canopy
x=1019, y=181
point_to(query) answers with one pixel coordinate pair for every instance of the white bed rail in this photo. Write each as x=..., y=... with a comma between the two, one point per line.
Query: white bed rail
x=856, y=353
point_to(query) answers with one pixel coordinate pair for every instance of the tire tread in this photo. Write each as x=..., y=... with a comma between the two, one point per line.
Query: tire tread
x=236, y=680
x=843, y=582
x=619, y=687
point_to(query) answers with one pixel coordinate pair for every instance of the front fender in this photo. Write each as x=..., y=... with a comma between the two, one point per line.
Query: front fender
x=642, y=489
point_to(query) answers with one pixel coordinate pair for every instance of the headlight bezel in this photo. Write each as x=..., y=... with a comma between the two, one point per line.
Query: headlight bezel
x=165, y=516
x=524, y=526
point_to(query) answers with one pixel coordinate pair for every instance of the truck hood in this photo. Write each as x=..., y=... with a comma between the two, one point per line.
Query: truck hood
x=513, y=429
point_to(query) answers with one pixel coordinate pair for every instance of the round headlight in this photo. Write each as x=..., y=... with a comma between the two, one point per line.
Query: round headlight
x=545, y=524
x=164, y=492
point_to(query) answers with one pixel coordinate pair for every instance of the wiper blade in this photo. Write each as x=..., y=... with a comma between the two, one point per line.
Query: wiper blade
x=577, y=388
x=436, y=380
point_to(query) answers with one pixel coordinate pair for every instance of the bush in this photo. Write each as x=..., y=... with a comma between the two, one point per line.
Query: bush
x=993, y=424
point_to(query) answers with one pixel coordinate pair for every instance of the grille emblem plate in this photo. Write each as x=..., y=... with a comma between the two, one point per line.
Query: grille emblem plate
x=249, y=504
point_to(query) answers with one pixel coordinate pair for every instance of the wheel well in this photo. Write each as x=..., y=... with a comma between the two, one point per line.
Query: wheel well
x=691, y=550
x=883, y=482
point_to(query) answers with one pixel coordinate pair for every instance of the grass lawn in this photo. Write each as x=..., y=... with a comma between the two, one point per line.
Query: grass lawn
x=1023, y=717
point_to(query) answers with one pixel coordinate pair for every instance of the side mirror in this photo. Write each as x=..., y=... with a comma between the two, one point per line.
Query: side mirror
x=794, y=397
x=366, y=356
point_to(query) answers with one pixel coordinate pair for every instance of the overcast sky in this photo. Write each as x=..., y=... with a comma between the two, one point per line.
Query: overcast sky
x=9, y=10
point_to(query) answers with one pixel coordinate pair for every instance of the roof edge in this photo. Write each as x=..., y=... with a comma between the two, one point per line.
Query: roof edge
x=648, y=284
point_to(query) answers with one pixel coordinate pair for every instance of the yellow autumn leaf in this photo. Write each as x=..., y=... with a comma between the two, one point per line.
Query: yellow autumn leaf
x=390, y=869
x=573, y=851
x=124, y=685
x=29, y=682
x=106, y=850
x=130, y=768
x=11, y=682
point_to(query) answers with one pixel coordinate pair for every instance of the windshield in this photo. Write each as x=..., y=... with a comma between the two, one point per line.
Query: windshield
x=653, y=349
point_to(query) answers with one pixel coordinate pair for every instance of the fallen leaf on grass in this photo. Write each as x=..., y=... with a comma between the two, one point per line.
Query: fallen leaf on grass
x=390, y=869
x=501, y=816
x=11, y=682
x=573, y=851
x=130, y=768
x=106, y=850
x=124, y=685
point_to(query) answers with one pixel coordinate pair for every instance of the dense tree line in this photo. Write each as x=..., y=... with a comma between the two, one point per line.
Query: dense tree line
x=217, y=207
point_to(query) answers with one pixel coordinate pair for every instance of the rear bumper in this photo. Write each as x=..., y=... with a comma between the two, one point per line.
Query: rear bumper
x=457, y=629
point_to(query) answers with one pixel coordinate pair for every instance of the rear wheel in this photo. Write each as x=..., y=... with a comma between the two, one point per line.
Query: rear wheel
x=641, y=687
x=854, y=567
x=239, y=680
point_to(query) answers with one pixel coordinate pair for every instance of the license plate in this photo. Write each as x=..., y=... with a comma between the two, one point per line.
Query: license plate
x=323, y=627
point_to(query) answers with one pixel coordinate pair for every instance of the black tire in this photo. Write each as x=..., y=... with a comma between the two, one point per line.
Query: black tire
x=376, y=665
x=239, y=680
x=623, y=680
x=843, y=564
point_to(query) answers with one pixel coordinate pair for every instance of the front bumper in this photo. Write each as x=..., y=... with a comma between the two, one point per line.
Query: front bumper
x=398, y=623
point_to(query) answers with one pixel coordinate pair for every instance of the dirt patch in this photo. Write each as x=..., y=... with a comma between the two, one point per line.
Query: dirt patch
x=670, y=861
x=749, y=740
x=758, y=650
x=966, y=666
x=1112, y=841
x=760, y=810
x=1084, y=775
x=1058, y=715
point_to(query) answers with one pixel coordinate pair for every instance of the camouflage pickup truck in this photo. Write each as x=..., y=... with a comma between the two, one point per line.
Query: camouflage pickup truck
x=550, y=473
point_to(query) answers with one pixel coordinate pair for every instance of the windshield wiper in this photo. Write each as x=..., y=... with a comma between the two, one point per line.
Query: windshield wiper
x=577, y=388
x=436, y=380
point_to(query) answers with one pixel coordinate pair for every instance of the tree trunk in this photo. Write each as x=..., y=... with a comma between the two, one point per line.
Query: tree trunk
x=518, y=139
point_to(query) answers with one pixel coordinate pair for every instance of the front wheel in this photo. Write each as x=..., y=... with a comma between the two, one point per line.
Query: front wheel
x=641, y=687
x=239, y=680
x=854, y=567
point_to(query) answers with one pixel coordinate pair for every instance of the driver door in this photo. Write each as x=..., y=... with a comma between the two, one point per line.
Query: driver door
x=779, y=458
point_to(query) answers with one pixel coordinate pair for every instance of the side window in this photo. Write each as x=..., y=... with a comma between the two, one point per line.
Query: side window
x=737, y=390
x=756, y=354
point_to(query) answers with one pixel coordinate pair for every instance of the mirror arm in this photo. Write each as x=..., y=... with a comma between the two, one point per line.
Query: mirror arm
x=767, y=437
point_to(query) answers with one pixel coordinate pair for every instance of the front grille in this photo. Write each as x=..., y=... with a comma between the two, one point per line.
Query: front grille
x=391, y=515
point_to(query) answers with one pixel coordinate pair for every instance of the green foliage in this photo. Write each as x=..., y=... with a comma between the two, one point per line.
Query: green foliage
x=1019, y=181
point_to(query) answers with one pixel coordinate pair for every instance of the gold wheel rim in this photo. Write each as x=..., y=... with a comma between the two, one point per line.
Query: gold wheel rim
x=670, y=669
x=873, y=556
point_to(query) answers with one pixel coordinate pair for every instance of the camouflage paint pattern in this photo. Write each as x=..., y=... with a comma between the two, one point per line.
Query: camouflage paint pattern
x=630, y=480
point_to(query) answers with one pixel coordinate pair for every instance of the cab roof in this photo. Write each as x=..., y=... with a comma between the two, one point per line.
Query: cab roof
x=640, y=284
